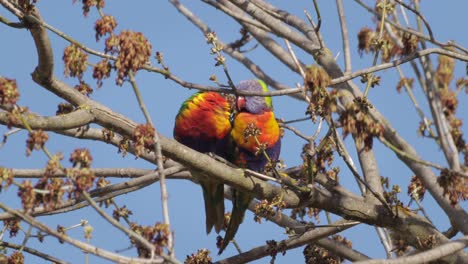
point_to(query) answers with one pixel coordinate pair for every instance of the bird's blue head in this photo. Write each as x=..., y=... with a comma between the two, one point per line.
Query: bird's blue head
x=253, y=104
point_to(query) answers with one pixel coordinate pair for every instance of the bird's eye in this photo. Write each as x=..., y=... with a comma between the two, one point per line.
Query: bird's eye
x=240, y=103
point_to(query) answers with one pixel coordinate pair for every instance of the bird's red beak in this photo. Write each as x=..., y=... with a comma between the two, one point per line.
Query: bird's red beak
x=240, y=103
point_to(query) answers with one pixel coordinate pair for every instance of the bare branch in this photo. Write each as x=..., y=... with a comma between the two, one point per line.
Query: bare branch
x=33, y=251
x=81, y=245
x=436, y=253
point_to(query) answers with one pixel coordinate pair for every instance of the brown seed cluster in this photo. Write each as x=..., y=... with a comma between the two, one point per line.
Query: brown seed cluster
x=13, y=225
x=121, y=212
x=133, y=51
x=449, y=101
x=16, y=258
x=81, y=157
x=356, y=121
x=124, y=144
x=369, y=42
x=102, y=71
x=64, y=108
x=75, y=61
x=6, y=178
x=9, y=93
x=47, y=191
x=322, y=102
x=143, y=138
x=268, y=209
x=84, y=88
x=416, y=189
x=391, y=195
x=27, y=195
x=83, y=177
x=201, y=257
x=274, y=248
x=317, y=255
x=87, y=4
x=54, y=188
x=36, y=140
x=454, y=186
x=105, y=25
x=157, y=235
x=300, y=213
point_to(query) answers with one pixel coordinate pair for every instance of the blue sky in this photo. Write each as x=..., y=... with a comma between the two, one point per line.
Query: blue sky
x=187, y=54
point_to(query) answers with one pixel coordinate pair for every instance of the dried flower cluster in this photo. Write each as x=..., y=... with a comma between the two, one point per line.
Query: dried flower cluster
x=53, y=192
x=455, y=186
x=9, y=93
x=83, y=178
x=13, y=225
x=301, y=212
x=75, y=61
x=143, y=138
x=102, y=71
x=6, y=178
x=133, y=52
x=105, y=25
x=391, y=195
x=356, y=121
x=16, y=258
x=87, y=4
x=157, y=235
x=274, y=248
x=322, y=102
x=27, y=195
x=416, y=189
x=449, y=101
x=84, y=88
x=47, y=191
x=201, y=257
x=121, y=212
x=212, y=39
x=317, y=255
x=266, y=209
x=64, y=108
x=369, y=41
x=36, y=140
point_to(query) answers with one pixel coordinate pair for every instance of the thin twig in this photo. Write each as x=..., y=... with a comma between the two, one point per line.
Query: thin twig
x=159, y=162
x=7, y=22
x=402, y=153
x=417, y=13
x=344, y=36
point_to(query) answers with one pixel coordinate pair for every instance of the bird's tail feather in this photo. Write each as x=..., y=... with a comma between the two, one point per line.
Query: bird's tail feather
x=213, y=194
x=241, y=201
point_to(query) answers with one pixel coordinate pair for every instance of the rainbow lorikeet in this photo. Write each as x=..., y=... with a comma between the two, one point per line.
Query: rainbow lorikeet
x=203, y=124
x=254, y=113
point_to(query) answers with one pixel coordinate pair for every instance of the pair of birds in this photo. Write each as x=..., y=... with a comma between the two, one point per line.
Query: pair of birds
x=206, y=123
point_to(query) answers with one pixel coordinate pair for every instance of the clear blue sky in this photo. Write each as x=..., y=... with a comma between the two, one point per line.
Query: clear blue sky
x=187, y=55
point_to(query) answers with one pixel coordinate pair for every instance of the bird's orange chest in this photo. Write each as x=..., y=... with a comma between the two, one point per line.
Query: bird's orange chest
x=266, y=125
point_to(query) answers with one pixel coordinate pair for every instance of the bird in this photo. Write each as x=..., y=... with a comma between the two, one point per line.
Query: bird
x=255, y=132
x=203, y=123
